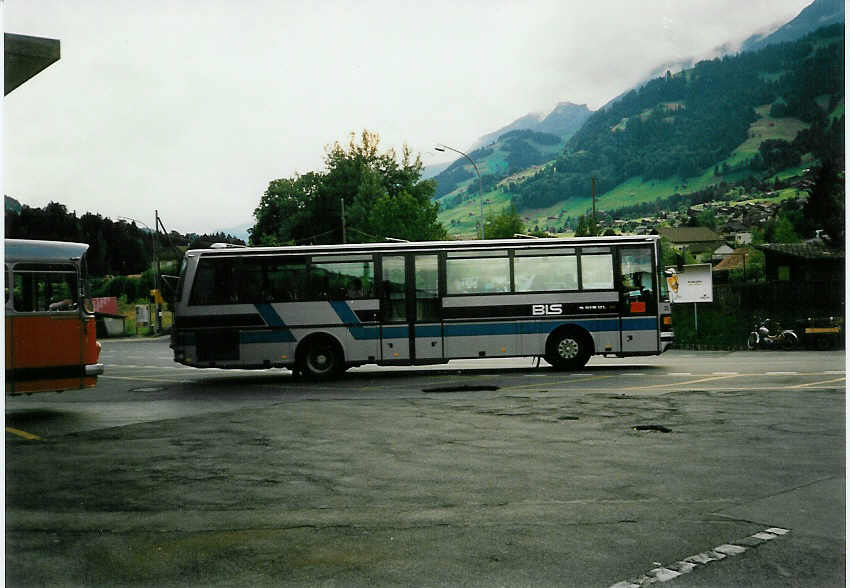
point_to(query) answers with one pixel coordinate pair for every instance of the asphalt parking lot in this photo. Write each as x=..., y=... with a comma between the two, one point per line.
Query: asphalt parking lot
x=473, y=474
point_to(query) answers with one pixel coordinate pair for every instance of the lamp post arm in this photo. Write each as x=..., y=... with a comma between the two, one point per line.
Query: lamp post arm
x=475, y=165
x=442, y=147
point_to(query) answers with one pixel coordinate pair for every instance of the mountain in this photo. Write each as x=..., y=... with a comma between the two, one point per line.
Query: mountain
x=429, y=171
x=818, y=14
x=565, y=119
x=528, y=141
x=529, y=121
x=737, y=120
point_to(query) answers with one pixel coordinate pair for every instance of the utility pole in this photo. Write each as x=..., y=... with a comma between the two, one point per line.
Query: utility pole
x=157, y=321
x=593, y=193
x=342, y=218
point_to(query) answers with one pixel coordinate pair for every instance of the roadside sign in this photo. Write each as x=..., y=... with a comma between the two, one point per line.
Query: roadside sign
x=143, y=315
x=691, y=283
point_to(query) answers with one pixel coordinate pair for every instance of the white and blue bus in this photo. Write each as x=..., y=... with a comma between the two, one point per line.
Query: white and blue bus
x=321, y=309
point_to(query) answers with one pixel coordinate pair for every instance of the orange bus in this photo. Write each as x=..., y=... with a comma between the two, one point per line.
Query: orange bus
x=50, y=328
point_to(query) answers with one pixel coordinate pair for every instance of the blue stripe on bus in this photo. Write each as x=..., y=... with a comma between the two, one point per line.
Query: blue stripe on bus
x=649, y=323
x=344, y=312
x=396, y=332
x=352, y=322
x=274, y=336
x=279, y=333
x=429, y=330
x=270, y=315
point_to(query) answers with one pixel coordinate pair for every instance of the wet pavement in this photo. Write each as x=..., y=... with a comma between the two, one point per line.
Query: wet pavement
x=497, y=474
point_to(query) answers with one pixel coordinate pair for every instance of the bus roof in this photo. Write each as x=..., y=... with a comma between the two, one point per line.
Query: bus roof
x=430, y=245
x=30, y=250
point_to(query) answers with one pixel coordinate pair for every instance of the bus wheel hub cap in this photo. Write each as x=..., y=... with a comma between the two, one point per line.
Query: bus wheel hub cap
x=568, y=348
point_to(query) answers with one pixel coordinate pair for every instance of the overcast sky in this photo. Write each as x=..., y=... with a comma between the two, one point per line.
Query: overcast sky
x=192, y=107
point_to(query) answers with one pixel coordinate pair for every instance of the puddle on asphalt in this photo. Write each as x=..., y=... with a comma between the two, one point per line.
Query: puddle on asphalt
x=653, y=428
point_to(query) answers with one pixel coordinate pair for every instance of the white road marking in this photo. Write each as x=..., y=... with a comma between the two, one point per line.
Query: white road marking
x=668, y=572
x=781, y=373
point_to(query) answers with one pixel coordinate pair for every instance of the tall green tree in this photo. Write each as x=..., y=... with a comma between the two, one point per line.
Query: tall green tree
x=581, y=227
x=503, y=225
x=382, y=193
x=825, y=207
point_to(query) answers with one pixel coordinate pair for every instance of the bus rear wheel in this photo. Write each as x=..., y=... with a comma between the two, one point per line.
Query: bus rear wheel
x=321, y=359
x=568, y=350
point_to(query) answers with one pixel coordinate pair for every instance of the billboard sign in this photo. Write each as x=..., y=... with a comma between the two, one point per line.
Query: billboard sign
x=691, y=283
x=143, y=315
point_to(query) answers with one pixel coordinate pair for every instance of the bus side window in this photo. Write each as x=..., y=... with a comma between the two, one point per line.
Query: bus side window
x=636, y=271
x=480, y=275
x=45, y=291
x=348, y=280
x=546, y=273
x=251, y=286
x=597, y=272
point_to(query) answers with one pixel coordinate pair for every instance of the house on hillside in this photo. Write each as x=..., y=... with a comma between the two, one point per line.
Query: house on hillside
x=737, y=260
x=721, y=253
x=700, y=242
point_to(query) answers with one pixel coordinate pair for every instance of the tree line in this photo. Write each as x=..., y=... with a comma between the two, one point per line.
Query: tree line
x=115, y=247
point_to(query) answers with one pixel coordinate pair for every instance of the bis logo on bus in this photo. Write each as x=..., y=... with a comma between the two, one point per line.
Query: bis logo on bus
x=546, y=309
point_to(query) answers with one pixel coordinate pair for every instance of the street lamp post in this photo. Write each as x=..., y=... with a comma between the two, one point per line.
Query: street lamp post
x=441, y=147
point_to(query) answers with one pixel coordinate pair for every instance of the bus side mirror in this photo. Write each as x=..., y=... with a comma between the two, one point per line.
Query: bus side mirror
x=170, y=289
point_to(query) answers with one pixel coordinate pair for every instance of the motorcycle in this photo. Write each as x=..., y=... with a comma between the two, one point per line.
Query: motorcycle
x=761, y=336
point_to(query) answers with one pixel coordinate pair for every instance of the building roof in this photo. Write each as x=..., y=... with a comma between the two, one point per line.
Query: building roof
x=30, y=250
x=808, y=250
x=735, y=260
x=25, y=56
x=688, y=234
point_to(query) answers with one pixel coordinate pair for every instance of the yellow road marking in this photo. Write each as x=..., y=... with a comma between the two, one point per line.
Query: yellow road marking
x=542, y=384
x=686, y=383
x=819, y=383
x=23, y=434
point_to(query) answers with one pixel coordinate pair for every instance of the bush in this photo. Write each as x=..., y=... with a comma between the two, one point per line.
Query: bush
x=716, y=326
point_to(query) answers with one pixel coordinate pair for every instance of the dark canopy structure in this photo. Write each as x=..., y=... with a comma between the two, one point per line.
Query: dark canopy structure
x=25, y=56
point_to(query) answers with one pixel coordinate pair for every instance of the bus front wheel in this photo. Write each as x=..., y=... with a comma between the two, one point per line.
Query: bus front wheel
x=568, y=350
x=320, y=359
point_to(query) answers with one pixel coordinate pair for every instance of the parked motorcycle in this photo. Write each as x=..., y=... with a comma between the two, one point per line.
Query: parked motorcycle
x=761, y=336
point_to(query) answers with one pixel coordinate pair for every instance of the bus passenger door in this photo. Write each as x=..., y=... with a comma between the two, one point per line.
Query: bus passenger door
x=411, y=329
x=638, y=301
x=395, y=330
x=427, y=343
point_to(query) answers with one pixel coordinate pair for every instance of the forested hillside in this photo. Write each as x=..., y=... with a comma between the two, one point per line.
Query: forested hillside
x=528, y=141
x=682, y=125
x=512, y=152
